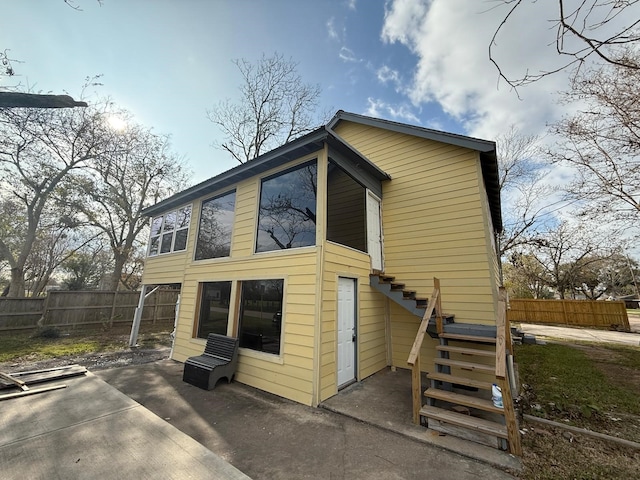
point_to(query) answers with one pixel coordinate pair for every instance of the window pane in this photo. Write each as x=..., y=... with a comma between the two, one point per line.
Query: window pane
x=154, y=244
x=181, y=240
x=288, y=210
x=184, y=217
x=166, y=242
x=214, y=308
x=261, y=315
x=216, y=225
x=169, y=221
x=346, y=210
x=156, y=226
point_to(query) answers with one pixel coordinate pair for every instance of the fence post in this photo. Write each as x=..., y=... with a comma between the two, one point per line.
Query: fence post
x=45, y=309
x=113, y=308
x=155, y=307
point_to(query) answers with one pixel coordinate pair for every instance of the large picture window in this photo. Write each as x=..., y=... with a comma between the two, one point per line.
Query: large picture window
x=216, y=225
x=169, y=232
x=261, y=315
x=287, y=216
x=346, y=209
x=214, y=308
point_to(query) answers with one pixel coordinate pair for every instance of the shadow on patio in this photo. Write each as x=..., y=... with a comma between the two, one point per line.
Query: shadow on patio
x=384, y=400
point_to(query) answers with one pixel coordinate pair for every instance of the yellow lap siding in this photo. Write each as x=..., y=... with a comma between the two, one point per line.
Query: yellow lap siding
x=371, y=354
x=290, y=374
x=434, y=222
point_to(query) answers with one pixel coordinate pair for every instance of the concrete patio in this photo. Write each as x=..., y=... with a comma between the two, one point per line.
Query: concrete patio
x=268, y=437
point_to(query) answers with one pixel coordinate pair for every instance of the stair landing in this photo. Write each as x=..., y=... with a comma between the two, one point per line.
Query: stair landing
x=381, y=400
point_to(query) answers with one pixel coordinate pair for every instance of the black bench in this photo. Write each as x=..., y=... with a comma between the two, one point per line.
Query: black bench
x=219, y=360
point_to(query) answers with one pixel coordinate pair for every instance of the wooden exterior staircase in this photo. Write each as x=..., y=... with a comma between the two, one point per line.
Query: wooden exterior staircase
x=399, y=293
x=458, y=400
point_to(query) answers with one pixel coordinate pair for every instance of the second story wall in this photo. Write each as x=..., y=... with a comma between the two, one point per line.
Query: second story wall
x=434, y=218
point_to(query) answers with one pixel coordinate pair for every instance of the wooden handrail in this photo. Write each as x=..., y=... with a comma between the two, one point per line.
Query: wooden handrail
x=414, y=355
x=501, y=341
x=503, y=335
x=422, y=329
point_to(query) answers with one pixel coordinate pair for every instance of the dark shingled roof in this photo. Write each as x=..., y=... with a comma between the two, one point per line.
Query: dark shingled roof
x=315, y=140
x=36, y=100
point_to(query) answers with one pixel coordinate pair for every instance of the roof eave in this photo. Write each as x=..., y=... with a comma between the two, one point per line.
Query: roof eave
x=300, y=147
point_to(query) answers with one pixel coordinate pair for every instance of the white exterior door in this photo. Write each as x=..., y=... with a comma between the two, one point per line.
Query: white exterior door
x=374, y=232
x=346, y=330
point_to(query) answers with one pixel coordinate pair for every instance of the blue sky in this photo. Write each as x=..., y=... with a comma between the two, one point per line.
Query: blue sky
x=423, y=62
x=168, y=61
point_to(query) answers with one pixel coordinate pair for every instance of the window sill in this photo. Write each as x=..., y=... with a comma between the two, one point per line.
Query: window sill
x=268, y=357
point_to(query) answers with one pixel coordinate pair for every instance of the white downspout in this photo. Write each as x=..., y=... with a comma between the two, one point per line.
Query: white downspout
x=137, y=318
x=175, y=326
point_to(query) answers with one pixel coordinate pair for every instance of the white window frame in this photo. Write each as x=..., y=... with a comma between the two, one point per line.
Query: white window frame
x=162, y=231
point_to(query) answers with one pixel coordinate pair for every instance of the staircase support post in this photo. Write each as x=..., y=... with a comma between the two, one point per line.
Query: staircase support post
x=439, y=326
x=416, y=390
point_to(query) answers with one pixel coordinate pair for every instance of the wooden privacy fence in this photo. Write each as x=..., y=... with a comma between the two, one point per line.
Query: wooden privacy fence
x=576, y=313
x=91, y=310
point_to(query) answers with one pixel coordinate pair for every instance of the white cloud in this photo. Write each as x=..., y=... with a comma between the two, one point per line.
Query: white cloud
x=451, y=40
x=347, y=55
x=386, y=75
x=351, y=4
x=331, y=29
x=381, y=109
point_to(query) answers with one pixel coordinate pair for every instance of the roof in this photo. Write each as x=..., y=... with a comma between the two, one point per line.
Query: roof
x=315, y=141
x=486, y=149
x=37, y=100
x=309, y=143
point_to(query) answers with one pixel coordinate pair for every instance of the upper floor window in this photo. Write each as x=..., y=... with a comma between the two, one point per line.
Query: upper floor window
x=346, y=209
x=216, y=225
x=169, y=232
x=287, y=216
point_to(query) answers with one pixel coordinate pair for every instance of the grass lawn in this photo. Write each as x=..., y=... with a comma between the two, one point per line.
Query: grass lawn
x=592, y=386
x=21, y=347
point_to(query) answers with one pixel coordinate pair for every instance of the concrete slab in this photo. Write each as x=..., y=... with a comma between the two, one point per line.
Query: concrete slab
x=269, y=437
x=384, y=399
x=580, y=334
x=90, y=430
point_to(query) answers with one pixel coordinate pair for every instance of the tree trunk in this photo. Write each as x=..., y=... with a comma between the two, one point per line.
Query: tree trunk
x=116, y=275
x=16, y=289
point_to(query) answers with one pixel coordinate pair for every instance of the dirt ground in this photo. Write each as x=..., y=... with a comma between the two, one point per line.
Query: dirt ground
x=96, y=361
x=634, y=321
x=551, y=452
x=548, y=452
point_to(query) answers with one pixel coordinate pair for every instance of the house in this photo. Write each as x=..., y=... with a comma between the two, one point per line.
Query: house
x=286, y=252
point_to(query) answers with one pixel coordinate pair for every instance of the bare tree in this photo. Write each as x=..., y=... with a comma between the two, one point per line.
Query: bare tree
x=39, y=148
x=564, y=253
x=136, y=172
x=525, y=277
x=602, y=142
x=584, y=29
x=84, y=270
x=275, y=107
x=523, y=187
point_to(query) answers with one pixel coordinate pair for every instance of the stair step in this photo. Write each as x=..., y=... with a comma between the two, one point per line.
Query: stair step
x=465, y=365
x=421, y=302
x=467, y=421
x=397, y=286
x=466, y=351
x=385, y=278
x=469, y=382
x=409, y=294
x=467, y=338
x=466, y=400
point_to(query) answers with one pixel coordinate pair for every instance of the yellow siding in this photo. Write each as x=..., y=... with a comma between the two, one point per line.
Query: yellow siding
x=371, y=355
x=436, y=222
x=435, y=225
x=291, y=374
